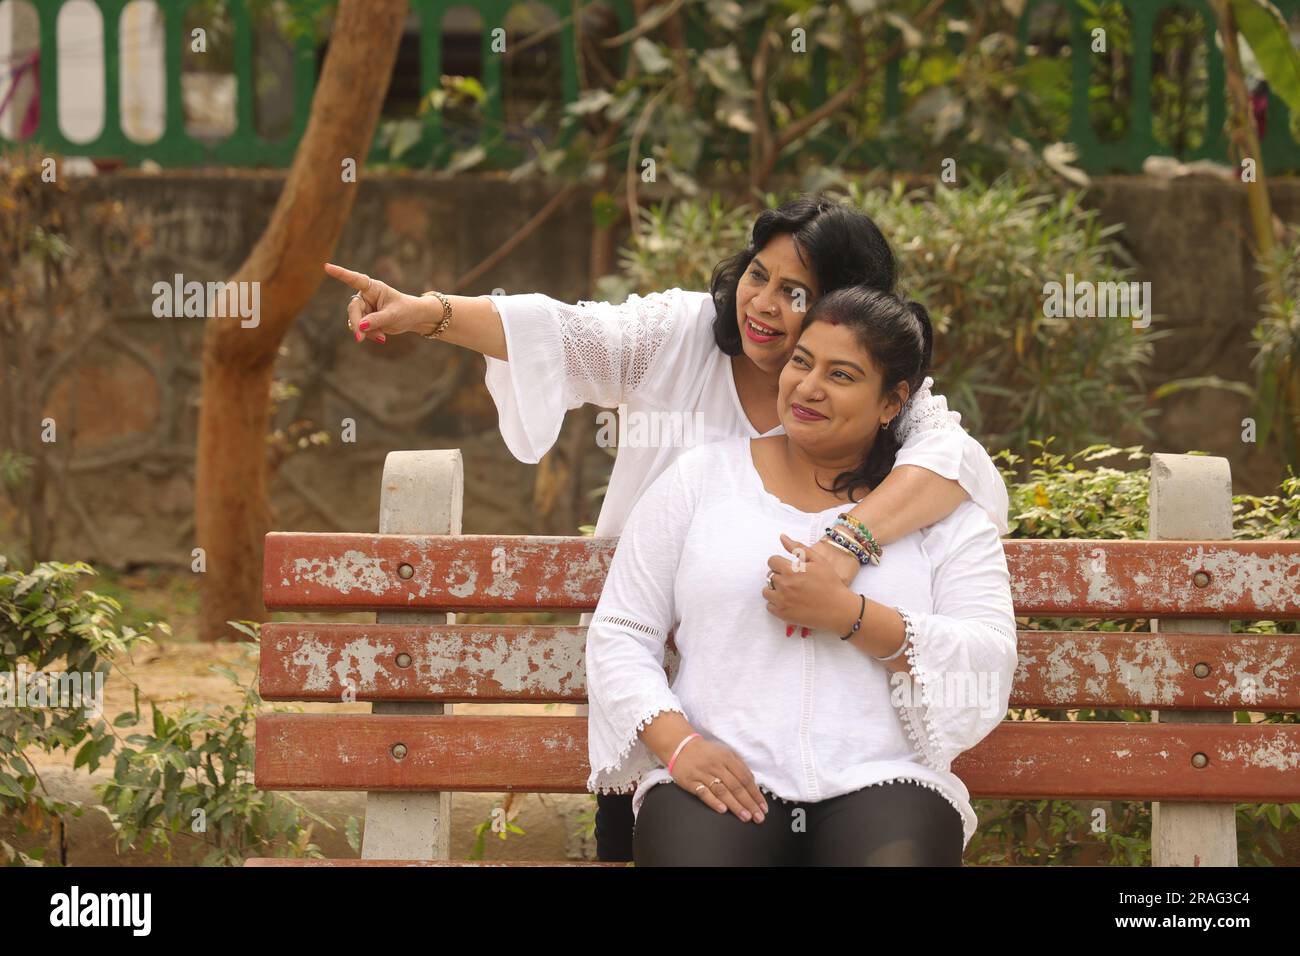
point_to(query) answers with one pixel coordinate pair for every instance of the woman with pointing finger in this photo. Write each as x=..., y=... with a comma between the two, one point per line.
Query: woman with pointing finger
x=714, y=357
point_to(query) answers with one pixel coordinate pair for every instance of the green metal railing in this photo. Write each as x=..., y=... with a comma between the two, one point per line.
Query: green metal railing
x=175, y=147
x=1280, y=152
x=245, y=147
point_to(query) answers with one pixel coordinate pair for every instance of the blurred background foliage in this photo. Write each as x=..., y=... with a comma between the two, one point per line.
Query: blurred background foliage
x=978, y=259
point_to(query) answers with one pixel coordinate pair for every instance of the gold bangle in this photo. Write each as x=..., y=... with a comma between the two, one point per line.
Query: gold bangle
x=446, y=315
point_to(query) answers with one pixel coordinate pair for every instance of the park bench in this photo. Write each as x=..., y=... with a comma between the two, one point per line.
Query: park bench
x=1192, y=761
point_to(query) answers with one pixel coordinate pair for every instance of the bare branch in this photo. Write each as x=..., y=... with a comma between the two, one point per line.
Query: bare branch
x=634, y=147
x=527, y=229
x=657, y=16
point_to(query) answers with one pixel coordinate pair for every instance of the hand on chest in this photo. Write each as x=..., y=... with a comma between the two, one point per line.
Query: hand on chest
x=725, y=562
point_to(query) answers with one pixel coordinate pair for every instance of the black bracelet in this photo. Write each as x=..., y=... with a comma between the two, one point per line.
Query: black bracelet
x=858, y=623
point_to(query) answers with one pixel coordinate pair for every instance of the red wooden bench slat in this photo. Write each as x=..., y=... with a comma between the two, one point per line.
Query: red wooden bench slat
x=1251, y=763
x=265, y=861
x=299, y=862
x=491, y=663
x=323, y=571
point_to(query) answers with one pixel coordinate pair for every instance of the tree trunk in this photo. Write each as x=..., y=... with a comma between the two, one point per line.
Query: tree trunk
x=231, y=500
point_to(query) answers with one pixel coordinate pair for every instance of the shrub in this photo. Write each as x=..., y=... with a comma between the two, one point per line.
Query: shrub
x=191, y=775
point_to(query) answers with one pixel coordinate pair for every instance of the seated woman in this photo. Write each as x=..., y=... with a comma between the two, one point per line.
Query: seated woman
x=830, y=750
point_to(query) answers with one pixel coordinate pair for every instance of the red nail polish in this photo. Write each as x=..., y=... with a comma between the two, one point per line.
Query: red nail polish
x=381, y=339
x=365, y=324
x=803, y=632
x=789, y=629
x=360, y=336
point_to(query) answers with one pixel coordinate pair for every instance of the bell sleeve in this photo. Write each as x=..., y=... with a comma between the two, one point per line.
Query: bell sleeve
x=626, y=683
x=931, y=436
x=562, y=356
x=963, y=652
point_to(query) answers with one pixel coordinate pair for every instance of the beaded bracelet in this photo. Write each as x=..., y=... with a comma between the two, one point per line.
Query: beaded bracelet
x=835, y=544
x=873, y=553
x=858, y=623
x=859, y=532
x=870, y=548
x=849, y=545
x=864, y=555
x=446, y=315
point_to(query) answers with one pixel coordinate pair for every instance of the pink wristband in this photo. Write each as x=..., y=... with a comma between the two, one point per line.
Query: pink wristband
x=688, y=739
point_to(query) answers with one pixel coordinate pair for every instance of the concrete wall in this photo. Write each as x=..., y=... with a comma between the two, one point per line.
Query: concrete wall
x=419, y=232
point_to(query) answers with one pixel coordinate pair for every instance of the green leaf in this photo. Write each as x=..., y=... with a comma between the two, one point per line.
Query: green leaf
x=1274, y=814
x=722, y=67
x=466, y=158
x=911, y=35
x=650, y=56
x=623, y=105
x=604, y=209
x=406, y=133
x=1265, y=29
x=470, y=86
x=9, y=786
x=592, y=101
x=1202, y=381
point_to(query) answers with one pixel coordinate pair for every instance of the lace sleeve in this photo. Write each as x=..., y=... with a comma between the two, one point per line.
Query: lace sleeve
x=963, y=652
x=562, y=356
x=609, y=349
x=923, y=411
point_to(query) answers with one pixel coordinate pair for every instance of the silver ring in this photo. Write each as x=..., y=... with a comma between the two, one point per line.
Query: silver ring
x=769, y=579
x=355, y=295
x=699, y=787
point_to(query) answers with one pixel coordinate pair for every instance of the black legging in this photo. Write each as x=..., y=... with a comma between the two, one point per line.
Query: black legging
x=892, y=824
x=614, y=827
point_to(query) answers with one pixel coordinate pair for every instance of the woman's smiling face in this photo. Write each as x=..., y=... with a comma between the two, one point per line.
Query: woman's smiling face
x=829, y=394
x=775, y=292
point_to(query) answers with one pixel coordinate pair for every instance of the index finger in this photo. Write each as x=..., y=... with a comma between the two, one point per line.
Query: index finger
x=356, y=280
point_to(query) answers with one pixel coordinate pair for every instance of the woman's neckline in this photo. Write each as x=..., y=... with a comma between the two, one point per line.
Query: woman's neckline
x=740, y=406
x=762, y=489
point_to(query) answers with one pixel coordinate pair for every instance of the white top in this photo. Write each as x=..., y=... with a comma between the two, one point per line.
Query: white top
x=811, y=717
x=654, y=355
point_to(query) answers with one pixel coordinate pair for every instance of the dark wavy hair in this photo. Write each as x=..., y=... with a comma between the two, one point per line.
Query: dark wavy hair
x=842, y=246
x=898, y=335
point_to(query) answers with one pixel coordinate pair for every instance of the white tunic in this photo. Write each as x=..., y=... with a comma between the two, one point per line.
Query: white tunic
x=815, y=717
x=656, y=356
